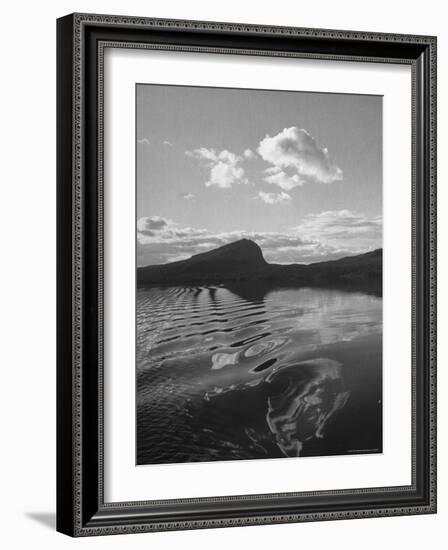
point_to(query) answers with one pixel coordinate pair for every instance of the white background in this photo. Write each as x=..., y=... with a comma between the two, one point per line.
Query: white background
x=27, y=231
x=125, y=482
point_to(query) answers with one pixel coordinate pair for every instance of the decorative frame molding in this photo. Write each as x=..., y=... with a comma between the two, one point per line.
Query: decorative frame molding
x=81, y=42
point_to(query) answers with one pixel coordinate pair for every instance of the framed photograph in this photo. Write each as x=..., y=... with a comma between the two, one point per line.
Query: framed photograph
x=246, y=274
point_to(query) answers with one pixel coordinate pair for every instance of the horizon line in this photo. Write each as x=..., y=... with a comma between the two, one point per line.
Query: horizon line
x=269, y=263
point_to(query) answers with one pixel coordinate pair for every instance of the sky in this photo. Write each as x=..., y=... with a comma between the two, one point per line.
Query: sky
x=299, y=173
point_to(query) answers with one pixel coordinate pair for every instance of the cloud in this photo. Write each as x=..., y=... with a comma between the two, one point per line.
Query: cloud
x=203, y=153
x=144, y=141
x=249, y=154
x=225, y=167
x=274, y=198
x=340, y=223
x=189, y=196
x=337, y=229
x=296, y=157
x=320, y=237
x=277, y=176
x=149, y=225
x=156, y=229
x=166, y=142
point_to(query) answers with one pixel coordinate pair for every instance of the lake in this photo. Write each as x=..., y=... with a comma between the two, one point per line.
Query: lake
x=247, y=372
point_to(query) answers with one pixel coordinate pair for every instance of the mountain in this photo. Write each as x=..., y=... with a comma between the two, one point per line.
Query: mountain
x=243, y=261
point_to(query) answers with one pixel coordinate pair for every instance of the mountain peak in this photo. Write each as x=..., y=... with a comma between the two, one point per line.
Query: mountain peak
x=243, y=260
x=232, y=261
x=243, y=251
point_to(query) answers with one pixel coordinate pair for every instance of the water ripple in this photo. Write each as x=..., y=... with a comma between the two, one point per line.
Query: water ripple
x=224, y=377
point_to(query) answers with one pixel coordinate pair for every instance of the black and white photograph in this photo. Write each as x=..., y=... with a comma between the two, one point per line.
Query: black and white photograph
x=246, y=328
x=259, y=274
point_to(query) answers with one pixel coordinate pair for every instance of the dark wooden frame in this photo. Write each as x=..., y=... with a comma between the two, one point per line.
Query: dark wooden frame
x=81, y=39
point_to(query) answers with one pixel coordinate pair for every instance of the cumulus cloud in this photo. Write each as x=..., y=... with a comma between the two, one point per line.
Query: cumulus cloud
x=274, y=198
x=168, y=143
x=277, y=176
x=323, y=236
x=188, y=196
x=144, y=141
x=225, y=167
x=296, y=157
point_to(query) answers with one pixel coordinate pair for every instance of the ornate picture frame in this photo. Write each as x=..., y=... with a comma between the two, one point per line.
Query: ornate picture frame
x=81, y=506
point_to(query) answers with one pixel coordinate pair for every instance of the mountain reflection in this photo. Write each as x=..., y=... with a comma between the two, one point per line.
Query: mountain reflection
x=256, y=371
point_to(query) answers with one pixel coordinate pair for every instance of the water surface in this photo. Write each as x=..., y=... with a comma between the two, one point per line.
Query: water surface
x=247, y=372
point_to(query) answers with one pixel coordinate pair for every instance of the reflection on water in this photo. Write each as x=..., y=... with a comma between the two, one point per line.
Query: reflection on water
x=246, y=372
